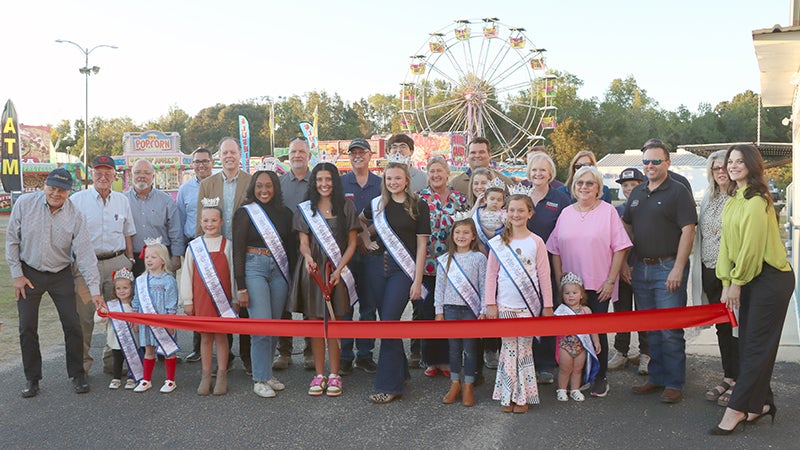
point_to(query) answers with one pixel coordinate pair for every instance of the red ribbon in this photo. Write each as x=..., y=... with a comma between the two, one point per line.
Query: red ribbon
x=654, y=319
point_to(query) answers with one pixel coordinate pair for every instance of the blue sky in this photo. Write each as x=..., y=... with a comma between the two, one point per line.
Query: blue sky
x=193, y=54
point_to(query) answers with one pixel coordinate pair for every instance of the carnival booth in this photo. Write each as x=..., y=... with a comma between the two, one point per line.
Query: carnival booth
x=163, y=150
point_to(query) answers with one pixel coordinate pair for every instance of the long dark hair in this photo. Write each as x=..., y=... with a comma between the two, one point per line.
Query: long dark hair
x=277, y=196
x=756, y=184
x=337, y=197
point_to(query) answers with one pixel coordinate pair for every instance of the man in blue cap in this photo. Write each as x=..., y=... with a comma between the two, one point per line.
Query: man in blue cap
x=45, y=230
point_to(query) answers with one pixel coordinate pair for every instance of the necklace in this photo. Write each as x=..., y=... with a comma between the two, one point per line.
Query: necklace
x=582, y=213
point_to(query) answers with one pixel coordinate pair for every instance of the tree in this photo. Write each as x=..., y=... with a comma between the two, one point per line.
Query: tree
x=570, y=137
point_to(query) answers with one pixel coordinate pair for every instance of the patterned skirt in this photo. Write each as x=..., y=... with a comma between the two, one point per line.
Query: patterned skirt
x=516, y=374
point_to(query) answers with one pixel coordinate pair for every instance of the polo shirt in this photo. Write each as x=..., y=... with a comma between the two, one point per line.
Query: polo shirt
x=658, y=217
x=361, y=195
x=546, y=212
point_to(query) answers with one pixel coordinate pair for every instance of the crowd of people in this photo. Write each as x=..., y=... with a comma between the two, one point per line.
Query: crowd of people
x=469, y=247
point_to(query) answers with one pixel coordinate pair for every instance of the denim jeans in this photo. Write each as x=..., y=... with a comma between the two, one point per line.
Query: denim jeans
x=368, y=273
x=392, y=363
x=667, y=347
x=268, y=292
x=461, y=349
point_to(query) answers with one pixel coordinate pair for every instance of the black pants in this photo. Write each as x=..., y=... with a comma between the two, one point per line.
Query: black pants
x=61, y=288
x=434, y=352
x=762, y=311
x=600, y=307
x=728, y=345
x=244, y=342
x=286, y=343
x=116, y=365
x=622, y=341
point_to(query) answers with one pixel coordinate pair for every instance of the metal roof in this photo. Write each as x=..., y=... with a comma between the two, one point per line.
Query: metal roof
x=633, y=158
x=769, y=150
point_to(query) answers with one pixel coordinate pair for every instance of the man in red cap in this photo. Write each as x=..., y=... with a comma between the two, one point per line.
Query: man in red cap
x=110, y=225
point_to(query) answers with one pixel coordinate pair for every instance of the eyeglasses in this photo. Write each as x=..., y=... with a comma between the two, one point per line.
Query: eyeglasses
x=655, y=162
x=588, y=183
x=718, y=169
x=579, y=165
x=401, y=146
x=104, y=175
x=359, y=152
x=201, y=161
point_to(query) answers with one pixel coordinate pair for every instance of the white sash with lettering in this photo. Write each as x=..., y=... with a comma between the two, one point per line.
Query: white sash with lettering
x=166, y=342
x=393, y=245
x=592, y=363
x=481, y=234
x=271, y=238
x=458, y=279
x=127, y=343
x=208, y=273
x=515, y=270
x=324, y=235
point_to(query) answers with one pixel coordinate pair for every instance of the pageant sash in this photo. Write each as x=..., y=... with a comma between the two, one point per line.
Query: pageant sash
x=166, y=342
x=208, y=273
x=592, y=363
x=461, y=283
x=271, y=238
x=127, y=343
x=515, y=270
x=481, y=234
x=393, y=245
x=324, y=235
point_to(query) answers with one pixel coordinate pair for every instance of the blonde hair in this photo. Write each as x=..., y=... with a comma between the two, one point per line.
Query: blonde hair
x=598, y=178
x=575, y=159
x=410, y=204
x=162, y=252
x=534, y=157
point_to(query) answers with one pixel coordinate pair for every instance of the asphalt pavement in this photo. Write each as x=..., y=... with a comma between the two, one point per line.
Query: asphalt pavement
x=58, y=418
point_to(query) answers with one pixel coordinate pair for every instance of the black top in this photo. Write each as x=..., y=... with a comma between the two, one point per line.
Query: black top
x=245, y=234
x=680, y=179
x=403, y=225
x=658, y=217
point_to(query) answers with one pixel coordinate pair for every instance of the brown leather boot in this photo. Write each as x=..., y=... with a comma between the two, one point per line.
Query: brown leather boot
x=452, y=394
x=205, y=384
x=468, y=395
x=221, y=386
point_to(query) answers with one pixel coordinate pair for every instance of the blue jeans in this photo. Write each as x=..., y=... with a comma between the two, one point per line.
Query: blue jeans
x=392, y=363
x=667, y=347
x=268, y=292
x=465, y=350
x=368, y=273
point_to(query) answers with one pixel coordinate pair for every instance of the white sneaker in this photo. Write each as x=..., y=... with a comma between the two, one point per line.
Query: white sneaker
x=644, y=363
x=561, y=395
x=263, y=389
x=275, y=384
x=144, y=385
x=115, y=383
x=130, y=384
x=577, y=395
x=617, y=361
x=168, y=387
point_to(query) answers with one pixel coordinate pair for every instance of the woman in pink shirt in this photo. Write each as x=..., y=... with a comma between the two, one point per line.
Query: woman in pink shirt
x=590, y=240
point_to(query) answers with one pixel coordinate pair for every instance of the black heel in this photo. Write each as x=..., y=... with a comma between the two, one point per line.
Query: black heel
x=772, y=411
x=717, y=431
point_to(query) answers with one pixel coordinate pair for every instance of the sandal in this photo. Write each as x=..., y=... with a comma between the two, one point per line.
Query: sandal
x=717, y=391
x=115, y=384
x=725, y=397
x=382, y=397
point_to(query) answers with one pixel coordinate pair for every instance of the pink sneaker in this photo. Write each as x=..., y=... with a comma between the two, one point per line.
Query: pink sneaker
x=334, y=386
x=318, y=385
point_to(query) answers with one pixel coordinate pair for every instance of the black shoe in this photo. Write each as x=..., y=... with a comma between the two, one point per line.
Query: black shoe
x=31, y=389
x=479, y=379
x=248, y=368
x=771, y=412
x=345, y=367
x=414, y=361
x=717, y=431
x=192, y=357
x=80, y=385
x=367, y=365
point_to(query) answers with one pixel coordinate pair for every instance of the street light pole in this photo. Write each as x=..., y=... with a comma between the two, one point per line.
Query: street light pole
x=86, y=71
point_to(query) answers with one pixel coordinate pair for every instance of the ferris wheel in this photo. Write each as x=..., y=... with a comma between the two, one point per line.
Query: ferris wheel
x=482, y=78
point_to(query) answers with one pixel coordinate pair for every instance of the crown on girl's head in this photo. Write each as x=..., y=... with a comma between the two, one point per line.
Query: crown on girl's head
x=123, y=273
x=571, y=278
x=461, y=215
x=269, y=164
x=209, y=203
x=152, y=241
x=496, y=182
x=328, y=157
x=515, y=189
x=398, y=158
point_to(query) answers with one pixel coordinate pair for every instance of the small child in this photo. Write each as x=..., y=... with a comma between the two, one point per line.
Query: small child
x=478, y=183
x=197, y=296
x=573, y=349
x=490, y=217
x=123, y=287
x=459, y=295
x=156, y=293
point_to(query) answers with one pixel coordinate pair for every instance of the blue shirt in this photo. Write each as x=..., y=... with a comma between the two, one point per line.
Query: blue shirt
x=361, y=195
x=156, y=215
x=546, y=213
x=187, y=206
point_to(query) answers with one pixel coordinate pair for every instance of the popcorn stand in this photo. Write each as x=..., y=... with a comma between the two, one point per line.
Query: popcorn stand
x=163, y=150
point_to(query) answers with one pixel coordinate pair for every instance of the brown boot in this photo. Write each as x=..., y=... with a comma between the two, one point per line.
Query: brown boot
x=221, y=386
x=452, y=394
x=468, y=395
x=205, y=384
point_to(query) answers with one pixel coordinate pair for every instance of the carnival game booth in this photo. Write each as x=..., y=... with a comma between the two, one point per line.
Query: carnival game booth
x=163, y=150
